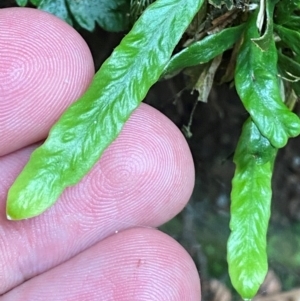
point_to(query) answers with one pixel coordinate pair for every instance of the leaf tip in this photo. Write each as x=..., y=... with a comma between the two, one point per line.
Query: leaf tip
x=14, y=209
x=9, y=217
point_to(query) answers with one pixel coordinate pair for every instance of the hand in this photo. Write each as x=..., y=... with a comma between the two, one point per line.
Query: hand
x=97, y=242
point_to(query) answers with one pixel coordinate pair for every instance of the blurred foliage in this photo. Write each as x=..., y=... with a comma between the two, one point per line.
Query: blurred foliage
x=112, y=15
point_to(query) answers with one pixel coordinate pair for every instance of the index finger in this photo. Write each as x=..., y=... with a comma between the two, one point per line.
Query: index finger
x=45, y=66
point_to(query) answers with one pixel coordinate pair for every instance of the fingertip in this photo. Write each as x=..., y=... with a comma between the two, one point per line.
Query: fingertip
x=143, y=179
x=45, y=66
x=157, y=164
x=136, y=264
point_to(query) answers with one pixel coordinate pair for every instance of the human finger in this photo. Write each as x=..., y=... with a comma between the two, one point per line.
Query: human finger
x=45, y=66
x=137, y=264
x=143, y=179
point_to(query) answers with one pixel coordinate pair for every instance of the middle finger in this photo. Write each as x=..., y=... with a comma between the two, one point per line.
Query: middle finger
x=143, y=179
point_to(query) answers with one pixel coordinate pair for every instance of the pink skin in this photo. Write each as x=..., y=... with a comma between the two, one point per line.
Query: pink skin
x=97, y=242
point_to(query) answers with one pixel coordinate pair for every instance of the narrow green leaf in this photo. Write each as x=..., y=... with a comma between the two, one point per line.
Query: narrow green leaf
x=266, y=39
x=112, y=15
x=87, y=128
x=204, y=50
x=296, y=88
x=250, y=210
x=285, y=13
x=291, y=67
x=257, y=84
x=290, y=37
x=293, y=22
x=22, y=2
x=57, y=8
